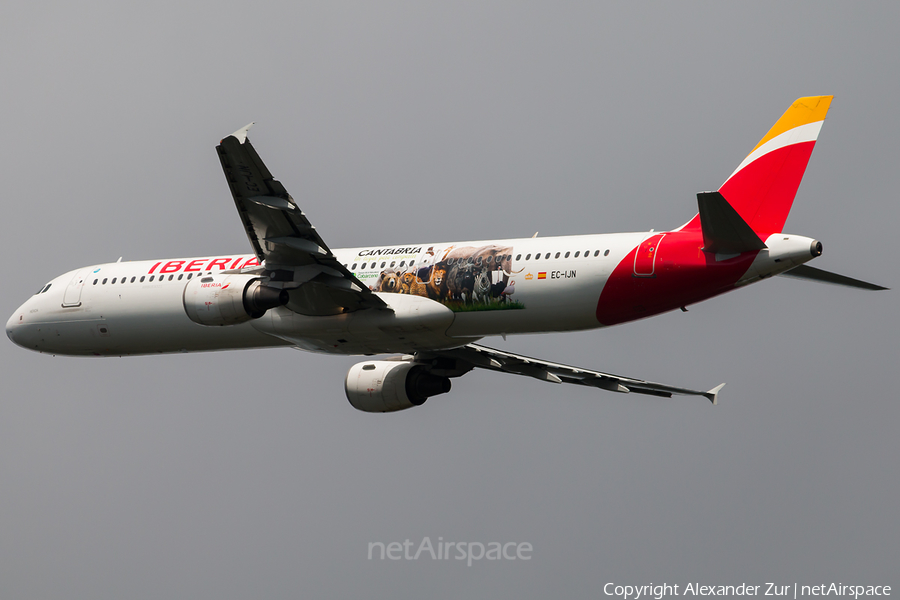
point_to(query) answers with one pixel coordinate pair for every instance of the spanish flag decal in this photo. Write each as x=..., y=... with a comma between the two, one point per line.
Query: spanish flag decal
x=542, y=275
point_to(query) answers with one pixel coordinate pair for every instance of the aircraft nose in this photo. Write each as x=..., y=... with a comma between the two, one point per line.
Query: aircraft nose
x=17, y=328
x=12, y=325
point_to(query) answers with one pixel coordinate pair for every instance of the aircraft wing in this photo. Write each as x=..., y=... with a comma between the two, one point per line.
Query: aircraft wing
x=483, y=357
x=284, y=240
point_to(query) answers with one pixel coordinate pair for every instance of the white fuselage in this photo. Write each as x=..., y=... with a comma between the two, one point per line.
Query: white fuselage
x=138, y=307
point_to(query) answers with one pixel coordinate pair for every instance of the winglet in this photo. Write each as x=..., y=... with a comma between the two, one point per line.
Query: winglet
x=241, y=134
x=713, y=394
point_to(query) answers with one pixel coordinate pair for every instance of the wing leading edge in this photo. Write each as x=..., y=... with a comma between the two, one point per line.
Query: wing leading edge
x=284, y=240
x=483, y=357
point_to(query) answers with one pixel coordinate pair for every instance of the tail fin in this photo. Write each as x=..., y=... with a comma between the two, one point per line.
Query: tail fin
x=763, y=187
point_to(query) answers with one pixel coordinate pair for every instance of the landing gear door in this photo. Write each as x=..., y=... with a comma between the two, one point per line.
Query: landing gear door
x=72, y=297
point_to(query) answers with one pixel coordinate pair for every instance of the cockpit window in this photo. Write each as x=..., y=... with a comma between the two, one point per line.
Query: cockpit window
x=43, y=289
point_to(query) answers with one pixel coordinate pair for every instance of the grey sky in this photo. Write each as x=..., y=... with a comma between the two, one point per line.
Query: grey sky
x=247, y=474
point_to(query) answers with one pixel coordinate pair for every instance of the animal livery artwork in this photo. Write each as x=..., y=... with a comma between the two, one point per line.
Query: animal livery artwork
x=464, y=278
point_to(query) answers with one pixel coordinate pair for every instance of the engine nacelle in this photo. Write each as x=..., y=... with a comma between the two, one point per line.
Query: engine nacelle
x=229, y=299
x=389, y=385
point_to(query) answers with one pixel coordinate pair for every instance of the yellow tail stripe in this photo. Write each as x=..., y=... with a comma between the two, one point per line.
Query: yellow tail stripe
x=803, y=111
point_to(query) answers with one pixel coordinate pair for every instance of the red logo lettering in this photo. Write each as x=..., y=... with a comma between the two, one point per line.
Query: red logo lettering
x=194, y=265
x=222, y=263
x=172, y=266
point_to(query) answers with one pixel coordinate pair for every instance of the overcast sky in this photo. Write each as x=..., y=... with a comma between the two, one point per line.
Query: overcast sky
x=248, y=474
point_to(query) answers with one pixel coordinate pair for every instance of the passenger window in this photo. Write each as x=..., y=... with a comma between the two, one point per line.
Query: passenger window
x=382, y=264
x=587, y=253
x=353, y=268
x=489, y=259
x=393, y=262
x=547, y=256
x=567, y=255
x=104, y=280
x=596, y=253
x=557, y=255
x=180, y=275
x=412, y=262
x=606, y=253
x=527, y=257
x=170, y=277
x=151, y=278
x=142, y=279
x=577, y=254
x=95, y=281
x=518, y=257
x=402, y=262
x=114, y=280
x=132, y=280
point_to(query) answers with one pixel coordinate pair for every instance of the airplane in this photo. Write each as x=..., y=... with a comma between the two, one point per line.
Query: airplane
x=430, y=303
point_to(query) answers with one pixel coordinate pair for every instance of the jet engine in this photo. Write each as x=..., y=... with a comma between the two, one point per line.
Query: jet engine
x=230, y=299
x=387, y=386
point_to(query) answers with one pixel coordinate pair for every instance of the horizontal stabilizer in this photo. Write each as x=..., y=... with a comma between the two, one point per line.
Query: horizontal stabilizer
x=724, y=231
x=807, y=272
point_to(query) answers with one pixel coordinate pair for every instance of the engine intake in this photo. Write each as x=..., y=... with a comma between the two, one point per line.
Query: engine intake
x=217, y=300
x=388, y=386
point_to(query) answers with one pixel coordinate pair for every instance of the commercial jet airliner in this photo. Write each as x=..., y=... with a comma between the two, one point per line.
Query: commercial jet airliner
x=431, y=302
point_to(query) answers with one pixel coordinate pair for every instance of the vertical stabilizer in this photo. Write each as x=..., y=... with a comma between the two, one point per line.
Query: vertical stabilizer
x=763, y=187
